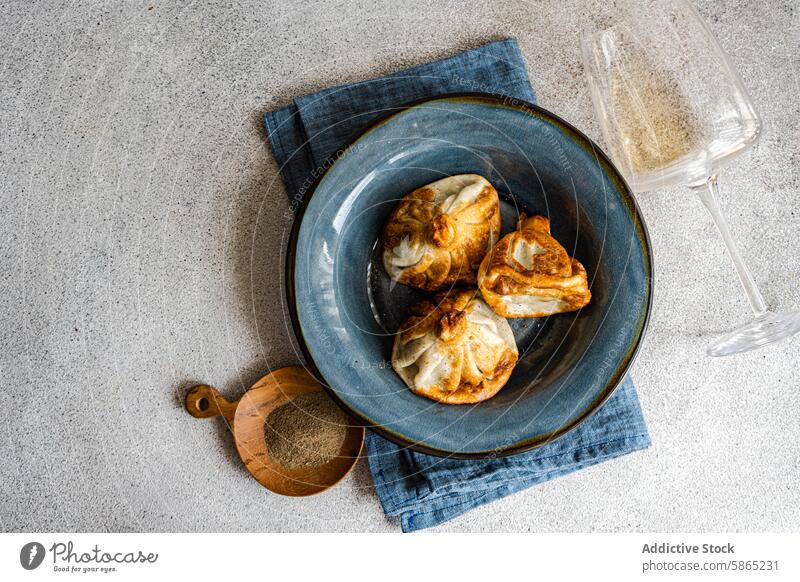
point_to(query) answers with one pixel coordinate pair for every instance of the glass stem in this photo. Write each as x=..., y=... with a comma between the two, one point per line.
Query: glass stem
x=709, y=194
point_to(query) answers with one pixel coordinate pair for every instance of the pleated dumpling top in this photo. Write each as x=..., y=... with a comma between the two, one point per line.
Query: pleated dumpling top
x=438, y=234
x=454, y=349
x=529, y=274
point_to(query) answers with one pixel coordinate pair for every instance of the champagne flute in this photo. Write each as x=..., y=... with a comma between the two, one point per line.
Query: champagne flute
x=674, y=112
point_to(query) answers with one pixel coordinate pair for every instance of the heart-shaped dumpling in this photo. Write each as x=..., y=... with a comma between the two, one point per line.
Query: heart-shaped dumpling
x=529, y=274
x=438, y=234
x=454, y=349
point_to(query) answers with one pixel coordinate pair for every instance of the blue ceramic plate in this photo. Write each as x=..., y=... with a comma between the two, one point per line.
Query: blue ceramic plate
x=345, y=311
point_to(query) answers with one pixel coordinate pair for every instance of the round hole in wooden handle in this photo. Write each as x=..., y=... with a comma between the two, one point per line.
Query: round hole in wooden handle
x=203, y=401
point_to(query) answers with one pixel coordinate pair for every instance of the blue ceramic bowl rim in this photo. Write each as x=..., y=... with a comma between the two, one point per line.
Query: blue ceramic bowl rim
x=627, y=198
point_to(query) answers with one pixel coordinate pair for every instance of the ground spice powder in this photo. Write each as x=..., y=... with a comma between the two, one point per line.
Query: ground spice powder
x=307, y=431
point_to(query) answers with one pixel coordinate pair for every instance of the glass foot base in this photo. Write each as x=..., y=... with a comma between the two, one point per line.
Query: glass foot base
x=764, y=329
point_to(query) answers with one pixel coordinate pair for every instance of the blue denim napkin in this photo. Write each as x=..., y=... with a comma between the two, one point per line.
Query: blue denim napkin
x=424, y=490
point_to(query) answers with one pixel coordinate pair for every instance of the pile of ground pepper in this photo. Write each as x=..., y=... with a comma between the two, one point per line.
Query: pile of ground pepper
x=307, y=431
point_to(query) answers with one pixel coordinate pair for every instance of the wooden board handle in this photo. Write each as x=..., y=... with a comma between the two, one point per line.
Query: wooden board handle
x=203, y=401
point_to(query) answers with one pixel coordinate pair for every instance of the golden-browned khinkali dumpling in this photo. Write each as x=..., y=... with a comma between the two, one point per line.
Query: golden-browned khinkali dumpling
x=438, y=234
x=529, y=274
x=454, y=349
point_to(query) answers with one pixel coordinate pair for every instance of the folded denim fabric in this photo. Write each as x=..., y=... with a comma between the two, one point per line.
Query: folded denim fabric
x=423, y=490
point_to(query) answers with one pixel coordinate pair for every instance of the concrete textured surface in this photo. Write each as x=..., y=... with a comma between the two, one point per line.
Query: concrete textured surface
x=142, y=228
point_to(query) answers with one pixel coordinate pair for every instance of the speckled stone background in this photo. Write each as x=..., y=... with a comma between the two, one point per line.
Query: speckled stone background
x=141, y=229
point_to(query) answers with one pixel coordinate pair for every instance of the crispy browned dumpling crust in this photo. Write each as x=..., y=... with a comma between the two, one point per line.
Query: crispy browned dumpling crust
x=454, y=349
x=438, y=234
x=529, y=274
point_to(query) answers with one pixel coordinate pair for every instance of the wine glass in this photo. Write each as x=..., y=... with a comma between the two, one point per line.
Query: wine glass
x=673, y=112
